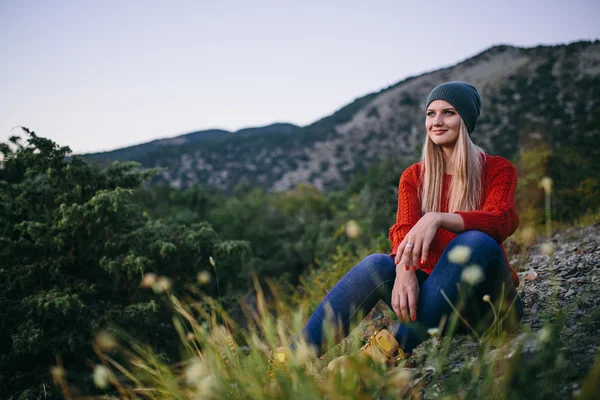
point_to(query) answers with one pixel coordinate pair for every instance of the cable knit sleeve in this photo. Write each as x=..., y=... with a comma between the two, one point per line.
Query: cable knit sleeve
x=498, y=216
x=409, y=206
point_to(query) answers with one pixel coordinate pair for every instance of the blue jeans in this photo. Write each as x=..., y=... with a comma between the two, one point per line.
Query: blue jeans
x=373, y=278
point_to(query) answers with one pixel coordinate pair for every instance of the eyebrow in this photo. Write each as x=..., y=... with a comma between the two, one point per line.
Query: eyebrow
x=445, y=109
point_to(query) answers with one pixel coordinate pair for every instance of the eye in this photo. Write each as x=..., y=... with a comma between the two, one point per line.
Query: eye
x=448, y=112
x=430, y=114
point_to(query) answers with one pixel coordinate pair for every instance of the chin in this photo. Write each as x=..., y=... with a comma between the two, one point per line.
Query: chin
x=444, y=140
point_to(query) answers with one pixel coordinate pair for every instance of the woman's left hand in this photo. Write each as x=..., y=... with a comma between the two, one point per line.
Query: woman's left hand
x=415, y=246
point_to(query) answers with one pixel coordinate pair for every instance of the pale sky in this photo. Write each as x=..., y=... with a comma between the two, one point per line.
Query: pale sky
x=99, y=75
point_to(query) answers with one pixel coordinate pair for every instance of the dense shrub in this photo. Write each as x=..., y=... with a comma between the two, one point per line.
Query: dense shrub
x=74, y=246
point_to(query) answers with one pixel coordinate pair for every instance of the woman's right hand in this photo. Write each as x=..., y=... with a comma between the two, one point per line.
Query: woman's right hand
x=405, y=294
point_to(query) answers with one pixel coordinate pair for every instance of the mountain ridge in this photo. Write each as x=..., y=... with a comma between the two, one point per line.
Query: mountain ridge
x=128, y=152
x=519, y=86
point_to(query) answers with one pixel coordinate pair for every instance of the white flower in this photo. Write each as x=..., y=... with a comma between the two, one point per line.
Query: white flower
x=352, y=229
x=433, y=331
x=207, y=386
x=486, y=298
x=547, y=248
x=101, y=376
x=259, y=343
x=212, y=261
x=544, y=335
x=546, y=184
x=58, y=374
x=148, y=280
x=527, y=234
x=305, y=353
x=162, y=284
x=401, y=378
x=472, y=275
x=203, y=277
x=106, y=341
x=459, y=254
x=195, y=372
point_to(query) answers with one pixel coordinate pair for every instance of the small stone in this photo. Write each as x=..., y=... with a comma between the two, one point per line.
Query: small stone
x=531, y=276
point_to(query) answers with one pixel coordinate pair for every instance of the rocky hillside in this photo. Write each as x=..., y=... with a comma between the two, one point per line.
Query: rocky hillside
x=544, y=95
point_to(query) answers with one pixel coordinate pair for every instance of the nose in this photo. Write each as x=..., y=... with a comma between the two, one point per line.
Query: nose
x=438, y=120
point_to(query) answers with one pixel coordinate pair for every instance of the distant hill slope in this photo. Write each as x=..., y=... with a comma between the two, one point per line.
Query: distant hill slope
x=210, y=135
x=530, y=95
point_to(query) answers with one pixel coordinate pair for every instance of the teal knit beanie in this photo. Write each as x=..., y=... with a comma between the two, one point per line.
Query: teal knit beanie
x=463, y=97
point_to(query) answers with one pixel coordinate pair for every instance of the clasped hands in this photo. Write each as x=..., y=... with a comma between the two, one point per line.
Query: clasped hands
x=412, y=251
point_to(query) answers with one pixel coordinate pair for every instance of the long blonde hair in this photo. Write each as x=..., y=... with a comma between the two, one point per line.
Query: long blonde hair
x=466, y=164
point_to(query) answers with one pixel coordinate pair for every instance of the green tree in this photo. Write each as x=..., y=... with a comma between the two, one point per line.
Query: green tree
x=73, y=248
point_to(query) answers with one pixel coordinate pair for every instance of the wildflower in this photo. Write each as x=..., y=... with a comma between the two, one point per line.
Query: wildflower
x=195, y=372
x=341, y=365
x=203, y=277
x=472, y=275
x=207, y=386
x=544, y=335
x=280, y=328
x=401, y=379
x=106, y=341
x=162, y=284
x=259, y=343
x=58, y=374
x=212, y=261
x=305, y=353
x=547, y=248
x=148, y=280
x=486, y=298
x=459, y=254
x=352, y=229
x=546, y=184
x=433, y=331
x=527, y=234
x=101, y=376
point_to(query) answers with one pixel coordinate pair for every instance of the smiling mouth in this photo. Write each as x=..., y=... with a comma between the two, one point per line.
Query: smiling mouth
x=439, y=132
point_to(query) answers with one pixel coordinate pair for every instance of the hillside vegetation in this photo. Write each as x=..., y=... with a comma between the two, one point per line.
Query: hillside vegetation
x=92, y=253
x=545, y=98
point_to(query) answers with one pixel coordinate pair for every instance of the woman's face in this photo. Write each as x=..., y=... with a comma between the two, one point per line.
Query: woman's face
x=442, y=122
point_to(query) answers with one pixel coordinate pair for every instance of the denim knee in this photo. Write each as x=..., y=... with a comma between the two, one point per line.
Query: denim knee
x=378, y=265
x=480, y=243
x=475, y=239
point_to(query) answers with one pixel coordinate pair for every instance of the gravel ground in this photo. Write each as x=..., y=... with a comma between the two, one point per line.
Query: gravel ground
x=574, y=272
x=562, y=279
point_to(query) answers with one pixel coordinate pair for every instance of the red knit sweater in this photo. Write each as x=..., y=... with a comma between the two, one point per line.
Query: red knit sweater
x=497, y=217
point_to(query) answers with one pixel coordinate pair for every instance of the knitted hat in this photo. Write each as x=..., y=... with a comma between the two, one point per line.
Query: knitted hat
x=463, y=97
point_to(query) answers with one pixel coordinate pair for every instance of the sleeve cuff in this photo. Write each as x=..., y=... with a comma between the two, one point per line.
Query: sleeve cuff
x=473, y=221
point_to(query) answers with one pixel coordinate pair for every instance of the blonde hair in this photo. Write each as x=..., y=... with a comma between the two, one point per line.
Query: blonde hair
x=465, y=166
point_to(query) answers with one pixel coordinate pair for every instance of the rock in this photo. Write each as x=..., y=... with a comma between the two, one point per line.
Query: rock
x=531, y=276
